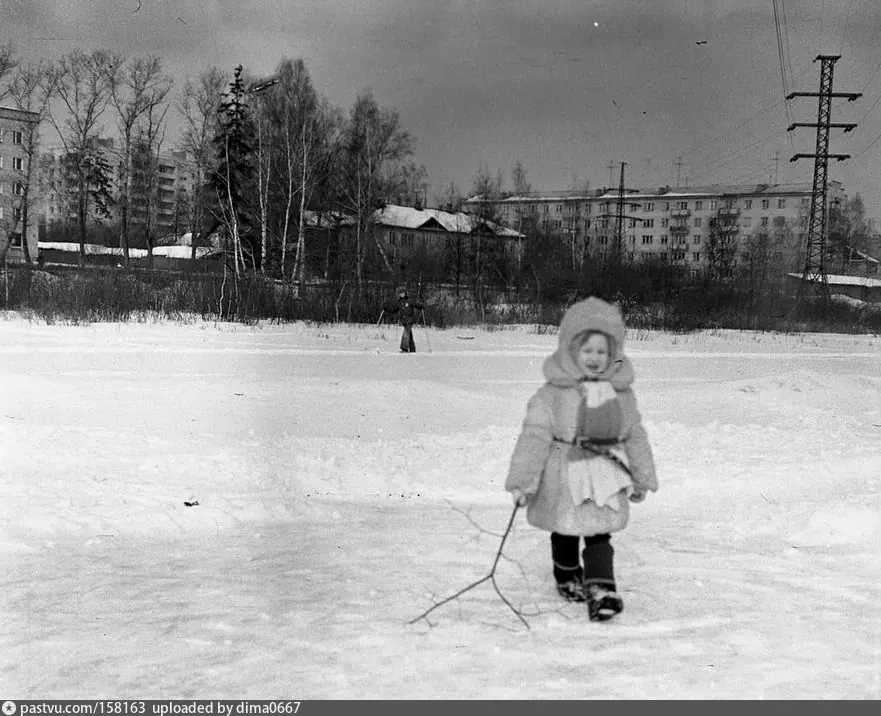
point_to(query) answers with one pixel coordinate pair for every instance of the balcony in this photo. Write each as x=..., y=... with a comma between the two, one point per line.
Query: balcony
x=678, y=229
x=684, y=213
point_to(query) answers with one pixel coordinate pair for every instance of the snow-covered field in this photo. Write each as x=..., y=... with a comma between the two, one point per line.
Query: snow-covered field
x=343, y=488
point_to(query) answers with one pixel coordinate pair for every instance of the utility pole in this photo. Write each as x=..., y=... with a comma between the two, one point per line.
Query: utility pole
x=620, y=216
x=678, y=164
x=815, y=256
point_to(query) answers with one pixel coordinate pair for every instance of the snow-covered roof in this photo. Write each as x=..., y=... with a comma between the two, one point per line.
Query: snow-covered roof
x=866, y=257
x=407, y=217
x=172, y=252
x=660, y=193
x=325, y=219
x=842, y=280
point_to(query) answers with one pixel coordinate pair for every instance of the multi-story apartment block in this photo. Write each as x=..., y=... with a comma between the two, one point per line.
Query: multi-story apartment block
x=168, y=193
x=58, y=184
x=14, y=186
x=675, y=225
x=161, y=189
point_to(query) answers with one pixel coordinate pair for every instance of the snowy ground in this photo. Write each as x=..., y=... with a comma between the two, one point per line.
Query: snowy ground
x=344, y=488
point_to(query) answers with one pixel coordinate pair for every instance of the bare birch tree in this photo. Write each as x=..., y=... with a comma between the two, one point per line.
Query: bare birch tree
x=306, y=129
x=82, y=82
x=374, y=144
x=198, y=104
x=137, y=88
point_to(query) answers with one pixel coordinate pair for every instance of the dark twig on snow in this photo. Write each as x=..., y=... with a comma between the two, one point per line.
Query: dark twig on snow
x=470, y=519
x=491, y=577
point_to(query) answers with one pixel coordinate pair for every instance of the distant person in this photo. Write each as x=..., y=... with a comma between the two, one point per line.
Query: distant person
x=582, y=452
x=405, y=309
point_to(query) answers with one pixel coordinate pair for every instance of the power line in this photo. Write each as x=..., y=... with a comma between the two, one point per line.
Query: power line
x=721, y=161
x=867, y=148
x=872, y=76
x=846, y=20
x=783, y=53
x=715, y=140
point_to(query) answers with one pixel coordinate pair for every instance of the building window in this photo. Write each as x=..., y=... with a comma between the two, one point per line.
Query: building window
x=682, y=205
x=764, y=221
x=805, y=201
x=2, y=132
x=781, y=203
x=665, y=223
x=650, y=206
x=698, y=206
x=696, y=256
x=664, y=238
x=17, y=164
x=648, y=239
x=18, y=188
x=632, y=238
x=648, y=223
x=748, y=204
x=765, y=203
x=604, y=240
x=697, y=223
x=696, y=240
x=17, y=137
x=15, y=240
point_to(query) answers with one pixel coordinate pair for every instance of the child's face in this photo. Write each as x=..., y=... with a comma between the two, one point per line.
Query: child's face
x=592, y=358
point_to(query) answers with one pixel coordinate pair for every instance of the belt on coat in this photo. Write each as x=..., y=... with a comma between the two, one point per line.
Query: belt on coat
x=602, y=448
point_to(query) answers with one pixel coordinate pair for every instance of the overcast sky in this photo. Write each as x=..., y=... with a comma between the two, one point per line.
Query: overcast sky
x=563, y=86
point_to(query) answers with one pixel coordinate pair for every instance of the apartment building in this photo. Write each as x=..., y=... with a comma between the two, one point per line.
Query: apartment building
x=57, y=187
x=674, y=225
x=14, y=188
x=162, y=185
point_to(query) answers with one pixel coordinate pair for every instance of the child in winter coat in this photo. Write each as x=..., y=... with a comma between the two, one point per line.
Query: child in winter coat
x=582, y=453
x=405, y=308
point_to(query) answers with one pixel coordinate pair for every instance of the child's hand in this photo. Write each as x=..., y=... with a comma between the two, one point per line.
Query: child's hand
x=637, y=495
x=519, y=498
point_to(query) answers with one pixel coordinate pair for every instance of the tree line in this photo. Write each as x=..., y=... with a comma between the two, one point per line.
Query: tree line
x=270, y=154
x=266, y=153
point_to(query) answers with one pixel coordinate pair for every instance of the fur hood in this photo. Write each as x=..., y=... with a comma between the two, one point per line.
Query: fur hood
x=592, y=314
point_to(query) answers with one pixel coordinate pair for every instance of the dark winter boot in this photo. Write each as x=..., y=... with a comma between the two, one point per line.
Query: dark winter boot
x=572, y=591
x=567, y=567
x=603, y=601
